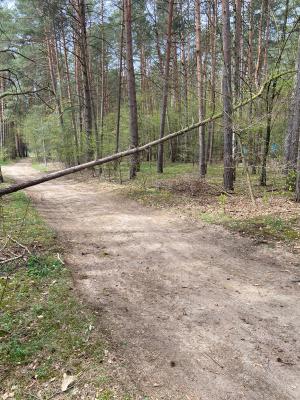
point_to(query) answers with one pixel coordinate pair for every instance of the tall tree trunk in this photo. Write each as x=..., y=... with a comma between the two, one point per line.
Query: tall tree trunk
x=52, y=62
x=260, y=45
x=99, y=146
x=78, y=88
x=117, y=148
x=227, y=98
x=253, y=145
x=200, y=90
x=70, y=97
x=237, y=48
x=131, y=87
x=213, y=34
x=160, y=157
x=177, y=101
x=84, y=62
x=297, y=191
x=270, y=96
x=237, y=70
x=293, y=129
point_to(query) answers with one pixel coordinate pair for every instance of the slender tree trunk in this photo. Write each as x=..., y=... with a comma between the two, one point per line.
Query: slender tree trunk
x=78, y=86
x=84, y=62
x=260, y=45
x=52, y=62
x=227, y=98
x=177, y=101
x=297, y=191
x=213, y=34
x=99, y=146
x=237, y=48
x=160, y=157
x=131, y=87
x=293, y=129
x=270, y=96
x=200, y=90
x=117, y=148
x=70, y=97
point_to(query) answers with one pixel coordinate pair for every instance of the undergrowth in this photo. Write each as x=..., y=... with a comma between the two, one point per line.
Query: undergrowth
x=275, y=217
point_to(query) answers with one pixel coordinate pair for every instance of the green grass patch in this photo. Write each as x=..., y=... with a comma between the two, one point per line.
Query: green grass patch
x=5, y=162
x=20, y=219
x=150, y=196
x=269, y=227
x=40, y=167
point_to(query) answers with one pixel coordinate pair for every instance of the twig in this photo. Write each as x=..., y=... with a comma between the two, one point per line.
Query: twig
x=59, y=259
x=5, y=244
x=12, y=258
x=207, y=355
x=20, y=244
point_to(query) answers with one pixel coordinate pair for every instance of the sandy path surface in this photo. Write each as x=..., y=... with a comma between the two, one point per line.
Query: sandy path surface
x=193, y=312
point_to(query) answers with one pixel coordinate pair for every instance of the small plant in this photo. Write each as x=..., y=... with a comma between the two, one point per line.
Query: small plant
x=266, y=198
x=291, y=181
x=40, y=267
x=106, y=395
x=222, y=201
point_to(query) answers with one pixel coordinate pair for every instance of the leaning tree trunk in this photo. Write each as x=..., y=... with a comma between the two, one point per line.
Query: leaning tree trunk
x=160, y=156
x=131, y=88
x=227, y=98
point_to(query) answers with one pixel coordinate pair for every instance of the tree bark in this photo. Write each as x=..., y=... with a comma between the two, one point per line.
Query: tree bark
x=70, y=97
x=200, y=90
x=120, y=84
x=160, y=156
x=297, y=191
x=227, y=98
x=213, y=34
x=293, y=129
x=84, y=62
x=131, y=87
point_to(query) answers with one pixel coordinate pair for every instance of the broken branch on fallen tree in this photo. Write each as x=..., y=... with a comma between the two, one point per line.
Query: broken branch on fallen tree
x=58, y=174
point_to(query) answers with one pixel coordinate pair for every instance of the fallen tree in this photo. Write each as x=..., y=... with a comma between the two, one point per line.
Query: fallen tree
x=54, y=175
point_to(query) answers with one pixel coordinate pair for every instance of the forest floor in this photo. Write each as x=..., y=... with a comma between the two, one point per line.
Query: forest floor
x=191, y=310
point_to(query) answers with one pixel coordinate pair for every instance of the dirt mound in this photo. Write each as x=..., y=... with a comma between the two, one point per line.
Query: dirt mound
x=189, y=186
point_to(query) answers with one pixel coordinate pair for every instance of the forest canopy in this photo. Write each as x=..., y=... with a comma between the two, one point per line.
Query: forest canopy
x=80, y=80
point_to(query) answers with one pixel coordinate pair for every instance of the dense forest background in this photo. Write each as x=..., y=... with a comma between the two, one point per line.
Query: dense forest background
x=83, y=79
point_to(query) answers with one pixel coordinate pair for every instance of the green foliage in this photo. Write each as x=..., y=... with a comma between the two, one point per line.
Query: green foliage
x=106, y=395
x=268, y=227
x=291, y=180
x=223, y=200
x=39, y=266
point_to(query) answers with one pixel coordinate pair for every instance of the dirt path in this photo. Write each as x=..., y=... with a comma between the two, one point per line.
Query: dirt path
x=194, y=312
